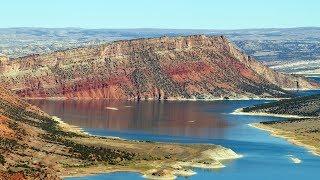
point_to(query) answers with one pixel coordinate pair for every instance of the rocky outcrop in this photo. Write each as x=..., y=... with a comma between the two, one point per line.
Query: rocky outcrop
x=181, y=67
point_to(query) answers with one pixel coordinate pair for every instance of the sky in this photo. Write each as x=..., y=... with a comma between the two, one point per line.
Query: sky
x=173, y=14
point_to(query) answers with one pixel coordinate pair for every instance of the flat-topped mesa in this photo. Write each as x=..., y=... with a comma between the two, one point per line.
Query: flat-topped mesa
x=158, y=68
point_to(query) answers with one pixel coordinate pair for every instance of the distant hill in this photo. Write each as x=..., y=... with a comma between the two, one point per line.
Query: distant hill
x=268, y=45
x=200, y=67
x=302, y=106
x=308, y=67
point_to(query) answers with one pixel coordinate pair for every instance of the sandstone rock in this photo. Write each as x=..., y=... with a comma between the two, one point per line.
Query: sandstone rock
x=159, y=68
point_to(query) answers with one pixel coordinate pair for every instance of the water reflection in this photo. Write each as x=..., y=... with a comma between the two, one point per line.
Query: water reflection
x=173, y=118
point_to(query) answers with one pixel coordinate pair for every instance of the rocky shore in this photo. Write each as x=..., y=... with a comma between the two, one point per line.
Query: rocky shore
x=307, y=138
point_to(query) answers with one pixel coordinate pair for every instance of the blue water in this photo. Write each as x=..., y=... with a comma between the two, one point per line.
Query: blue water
x=315, y=78
x=265, y=157
x=307, y=92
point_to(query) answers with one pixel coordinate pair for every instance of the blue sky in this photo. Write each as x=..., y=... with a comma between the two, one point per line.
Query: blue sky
x=179, y=14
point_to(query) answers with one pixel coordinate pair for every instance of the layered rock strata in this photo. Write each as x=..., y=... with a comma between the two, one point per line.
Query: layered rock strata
x=201, y=67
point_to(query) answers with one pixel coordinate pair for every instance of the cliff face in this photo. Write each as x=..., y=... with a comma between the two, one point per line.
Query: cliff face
x=159, y=68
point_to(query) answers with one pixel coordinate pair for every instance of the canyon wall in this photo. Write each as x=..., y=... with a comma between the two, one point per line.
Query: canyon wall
x=202, y=67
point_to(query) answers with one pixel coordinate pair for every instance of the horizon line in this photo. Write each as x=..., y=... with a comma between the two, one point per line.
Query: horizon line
x=158, y=28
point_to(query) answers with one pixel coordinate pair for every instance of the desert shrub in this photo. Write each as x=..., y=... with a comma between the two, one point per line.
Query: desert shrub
x=2, y=160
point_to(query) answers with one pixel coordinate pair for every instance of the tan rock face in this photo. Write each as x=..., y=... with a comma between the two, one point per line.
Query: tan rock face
x=159, y=68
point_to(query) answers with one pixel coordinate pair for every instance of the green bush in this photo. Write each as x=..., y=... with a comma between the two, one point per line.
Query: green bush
x=2, y=160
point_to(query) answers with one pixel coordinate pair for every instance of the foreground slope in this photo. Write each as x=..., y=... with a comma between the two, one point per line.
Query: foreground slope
x=34, y=145
x=159, y=68
x=302, y=131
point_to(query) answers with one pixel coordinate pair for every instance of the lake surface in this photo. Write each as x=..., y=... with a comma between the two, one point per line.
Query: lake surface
x=265, y=157
x=315, y=78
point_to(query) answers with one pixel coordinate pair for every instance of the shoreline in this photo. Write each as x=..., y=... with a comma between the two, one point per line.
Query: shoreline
x=97, y=173
x=288, y=136
x=174, y=169
x=76, y=129
x=240, y=112
x=311, y=74
x=161, y=100
x=70, y=128
x=301, y=89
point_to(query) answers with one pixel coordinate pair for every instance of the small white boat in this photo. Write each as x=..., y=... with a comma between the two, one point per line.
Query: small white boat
x=112, y=108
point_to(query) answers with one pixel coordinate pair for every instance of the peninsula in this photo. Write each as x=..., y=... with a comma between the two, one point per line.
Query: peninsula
x=302, y=126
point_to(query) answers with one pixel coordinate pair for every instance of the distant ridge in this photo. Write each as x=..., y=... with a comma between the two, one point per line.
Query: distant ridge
x=267, y=45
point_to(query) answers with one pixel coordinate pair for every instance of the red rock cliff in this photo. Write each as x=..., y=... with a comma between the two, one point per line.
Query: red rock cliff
x=159, y=68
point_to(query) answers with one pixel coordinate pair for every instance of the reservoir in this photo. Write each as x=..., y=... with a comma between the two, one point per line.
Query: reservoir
x=208, y=122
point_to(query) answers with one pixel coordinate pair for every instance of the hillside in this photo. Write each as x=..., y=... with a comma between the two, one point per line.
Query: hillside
x=302, y=106
x=160, y=68
x=297, y=67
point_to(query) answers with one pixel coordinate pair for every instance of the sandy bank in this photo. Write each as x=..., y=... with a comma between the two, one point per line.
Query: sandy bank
x=289, y=136
x=221, y=154
x=68, y=127
x=240, y=112
x=78, y=130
